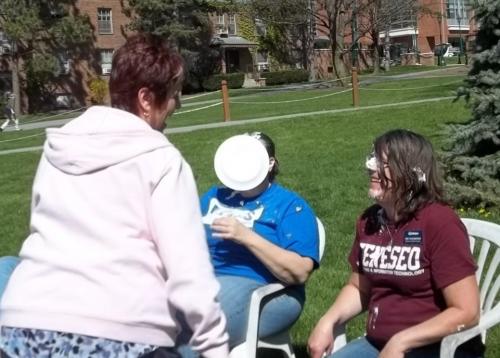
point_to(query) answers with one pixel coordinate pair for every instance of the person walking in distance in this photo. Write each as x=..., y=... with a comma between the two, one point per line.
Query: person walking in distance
x=9, y=112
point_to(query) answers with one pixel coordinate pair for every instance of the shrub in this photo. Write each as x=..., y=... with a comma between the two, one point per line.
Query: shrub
x=284, y=77
x=98, y=90
x=234, y=80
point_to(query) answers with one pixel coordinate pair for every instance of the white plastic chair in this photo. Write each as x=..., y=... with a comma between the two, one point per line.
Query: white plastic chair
x=282, y=340
x=488, y=260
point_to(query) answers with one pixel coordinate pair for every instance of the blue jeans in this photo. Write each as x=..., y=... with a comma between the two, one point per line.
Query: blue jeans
x=7, y=266
x=362, y=348
x=278, y=313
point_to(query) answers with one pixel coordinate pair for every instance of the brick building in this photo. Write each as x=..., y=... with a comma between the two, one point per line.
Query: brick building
x=446, y=21
x=441, y=21
x=71, y=88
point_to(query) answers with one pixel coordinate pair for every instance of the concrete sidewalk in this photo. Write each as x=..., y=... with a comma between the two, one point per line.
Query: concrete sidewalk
x=306, y=115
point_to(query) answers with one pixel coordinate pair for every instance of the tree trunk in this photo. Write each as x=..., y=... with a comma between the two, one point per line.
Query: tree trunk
x=376, y=54
x=16, y=88
x=387, y=51
x=337, y=41
x=336, y=64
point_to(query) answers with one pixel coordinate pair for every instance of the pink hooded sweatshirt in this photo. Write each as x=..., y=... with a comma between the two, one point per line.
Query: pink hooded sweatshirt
x=116, y=246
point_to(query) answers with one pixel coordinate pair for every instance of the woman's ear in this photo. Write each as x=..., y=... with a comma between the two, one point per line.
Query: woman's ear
x=144, y=102
x=272, y=161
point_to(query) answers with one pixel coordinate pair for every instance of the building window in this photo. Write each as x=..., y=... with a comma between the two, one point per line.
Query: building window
x=260, y=27
x=262, y=61
x=456, y=13
x=64, y=63
x=232, y=24
x=106, y=59
x=104, y=21
x=404, y=20
x=220, y=19
x=5, y=44
x=3, y=37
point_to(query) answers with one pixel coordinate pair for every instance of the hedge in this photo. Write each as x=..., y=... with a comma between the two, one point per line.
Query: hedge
x=234, y=80
x=284, y=77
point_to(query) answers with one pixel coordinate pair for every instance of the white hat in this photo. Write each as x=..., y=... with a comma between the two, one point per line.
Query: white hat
x=241, y=162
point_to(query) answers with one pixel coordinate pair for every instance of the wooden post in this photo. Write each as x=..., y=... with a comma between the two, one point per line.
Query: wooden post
x=355, y=87
x=225, y=100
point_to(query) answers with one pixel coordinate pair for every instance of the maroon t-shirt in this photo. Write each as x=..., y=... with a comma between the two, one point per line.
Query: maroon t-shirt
x=408, y=265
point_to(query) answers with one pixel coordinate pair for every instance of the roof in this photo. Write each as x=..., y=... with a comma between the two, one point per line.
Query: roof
x=232, y=42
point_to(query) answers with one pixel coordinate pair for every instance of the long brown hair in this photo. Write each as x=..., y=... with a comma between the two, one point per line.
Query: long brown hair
x=415, y=178
x=271, y=151
x=144, y=61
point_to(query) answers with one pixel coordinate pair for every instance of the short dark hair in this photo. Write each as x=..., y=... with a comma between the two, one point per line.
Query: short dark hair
x=415, y=176
x=144, y=61
x=271, y=151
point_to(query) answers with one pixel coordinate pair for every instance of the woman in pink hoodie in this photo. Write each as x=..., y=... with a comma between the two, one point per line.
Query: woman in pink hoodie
x=116, y=257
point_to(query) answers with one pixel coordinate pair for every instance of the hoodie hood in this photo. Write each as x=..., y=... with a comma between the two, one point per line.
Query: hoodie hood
x=99, y=138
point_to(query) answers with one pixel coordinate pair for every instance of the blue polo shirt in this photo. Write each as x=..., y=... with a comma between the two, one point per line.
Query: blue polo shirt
x=278, y=215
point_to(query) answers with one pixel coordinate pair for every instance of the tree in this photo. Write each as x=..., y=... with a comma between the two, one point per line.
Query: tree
x=283, y=29
x=293, y=24
x=39, y=31
x=473, y=156
x=186, y=24
x=335, y=16
x=379, y=16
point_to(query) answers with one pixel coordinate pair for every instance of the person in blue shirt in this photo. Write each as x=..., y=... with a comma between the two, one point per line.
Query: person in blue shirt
x=258, y=232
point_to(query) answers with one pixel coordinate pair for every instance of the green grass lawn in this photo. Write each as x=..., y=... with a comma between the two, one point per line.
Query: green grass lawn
x=256, y=103
x=321, y=157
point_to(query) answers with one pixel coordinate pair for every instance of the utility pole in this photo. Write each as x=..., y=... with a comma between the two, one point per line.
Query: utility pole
x=311, y=34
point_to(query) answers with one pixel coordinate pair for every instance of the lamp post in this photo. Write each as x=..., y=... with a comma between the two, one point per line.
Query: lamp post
x=440, y=52
x=417, y=51
x=311, y=33
x=459, y=17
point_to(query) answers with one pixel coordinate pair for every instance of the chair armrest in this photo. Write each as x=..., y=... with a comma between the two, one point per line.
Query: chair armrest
x=254, y=315
x=340, y=337
x=451, y=342
x=257, y=296
x=264, y=291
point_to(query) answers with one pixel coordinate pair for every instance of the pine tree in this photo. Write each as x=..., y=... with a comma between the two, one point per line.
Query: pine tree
x=473, y=159
x=186, y=24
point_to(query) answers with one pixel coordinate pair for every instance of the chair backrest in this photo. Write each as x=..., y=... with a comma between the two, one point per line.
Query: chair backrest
x=322, y=238
x=485, y=245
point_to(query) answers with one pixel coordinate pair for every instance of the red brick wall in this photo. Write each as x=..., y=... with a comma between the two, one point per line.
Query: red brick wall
x=84, y=71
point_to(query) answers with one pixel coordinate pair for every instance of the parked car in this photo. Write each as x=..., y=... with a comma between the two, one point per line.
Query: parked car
x=453, y=51
x=445, y=50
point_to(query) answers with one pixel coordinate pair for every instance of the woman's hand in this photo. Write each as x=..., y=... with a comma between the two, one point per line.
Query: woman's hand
x=229, y=228
x=321, y=340
x=393, y=349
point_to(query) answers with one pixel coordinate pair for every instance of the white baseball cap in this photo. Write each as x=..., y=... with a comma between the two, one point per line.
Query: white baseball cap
x=241, y=162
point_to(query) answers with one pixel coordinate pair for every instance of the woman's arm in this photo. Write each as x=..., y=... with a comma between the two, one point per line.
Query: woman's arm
x=351, y=301
x=180, y=239
x=288, y=266
x=462, y=312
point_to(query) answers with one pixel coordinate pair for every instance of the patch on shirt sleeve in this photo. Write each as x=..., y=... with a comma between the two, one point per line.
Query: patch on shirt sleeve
x=413, y=237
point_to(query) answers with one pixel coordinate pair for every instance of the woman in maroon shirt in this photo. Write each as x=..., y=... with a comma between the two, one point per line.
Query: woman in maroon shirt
x=410, y=260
